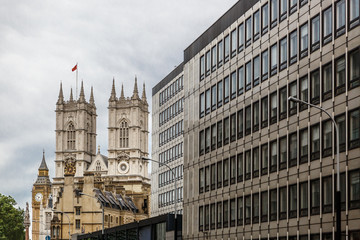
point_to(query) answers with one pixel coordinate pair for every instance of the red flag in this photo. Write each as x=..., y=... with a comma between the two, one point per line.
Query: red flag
x=74, y=68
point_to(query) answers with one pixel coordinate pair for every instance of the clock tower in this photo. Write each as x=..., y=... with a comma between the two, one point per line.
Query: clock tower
x=40, y=193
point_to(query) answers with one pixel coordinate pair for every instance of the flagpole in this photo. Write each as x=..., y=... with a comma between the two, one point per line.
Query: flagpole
x=77, y=67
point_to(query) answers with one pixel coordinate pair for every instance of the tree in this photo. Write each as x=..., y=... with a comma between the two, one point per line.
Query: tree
x=11, y=219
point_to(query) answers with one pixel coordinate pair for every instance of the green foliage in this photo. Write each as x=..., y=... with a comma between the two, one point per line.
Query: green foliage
x=11, y=219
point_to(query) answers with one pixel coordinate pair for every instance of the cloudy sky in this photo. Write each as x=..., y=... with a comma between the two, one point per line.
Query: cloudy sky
x=40, y=41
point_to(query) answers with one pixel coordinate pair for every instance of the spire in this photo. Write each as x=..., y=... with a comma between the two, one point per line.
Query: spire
x=113, y=93
x=82, y=94
x=43, y=165
x=61, y=95
x=122, y=96
x=143, y=98
x=98, y=149
x=92, y=101
x=135, y=93
x=71, y=96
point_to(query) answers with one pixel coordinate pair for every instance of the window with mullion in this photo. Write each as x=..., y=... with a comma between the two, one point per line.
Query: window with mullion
x=201, y=180
x=327, y=138
x=283, y=53
x=213, y=98
x=219, y=174
x=340, y=75
x=255, y=164
x=283, y=9
x=283, y=103
x=220, y=53
x=326, y=82
x=219, y=212
x=315, y=33
x=274, y=12
x=293, y=149
x=256, y=20
x=303, y=201
x=207, y=101
x=207, y=63
x=240, y=80
x=304, y=40
x=273, y=155
x=226, y=172
x=233, y=85
x=273, y=204
x=264, y=112
x=233, y=170
x=233, y=43
x=264, y=18
x=264, y=159
x=219, y=94
x=264, y=65
x=354, y=189
x=303, y=146
x=327, y=25
x=315, y=142
x=292, y=6
x=232, y=213
x=233, y=127
x=255, y=208
x=304, y=92
x=293, y=93
x=292, y=200
x=248, y=75
x=293, y=48
x=327, y=194
x=256, y=70
x=273, y=108
x=315, y=86
x=241, y=37
x=240, y=167
x=226, y=48
x=202, y=67
x=213, y=137
x=207, y=178
x=212, y=216
x=226, y=131
x=226, y=90
x=248, y=31
x=283, y=153
x=282, y=203
x=264, y=206
x=201, y=142
x=240, y=124
x=354, y=68
x=240, y=211
x=247, y=164
x=255, y=118
x=202, y=105
x=213, y=176
x=341, y=122
x=248, y=209
x=315, y=197
x=354, y=128
x=201, y=218
x=213, y=58
x=340, y=18
x=354, y=9
x=219, y=134
x=273, y=59
x=247, y=120
x=207, y=140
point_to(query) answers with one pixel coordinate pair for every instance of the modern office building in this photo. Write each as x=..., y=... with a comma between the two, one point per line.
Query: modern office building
x=255, y=165
x=167, y=143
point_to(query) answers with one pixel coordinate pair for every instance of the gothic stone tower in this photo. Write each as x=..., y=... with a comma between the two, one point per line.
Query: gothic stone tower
x=75, y=136
x=40, y=193
x=128, y=141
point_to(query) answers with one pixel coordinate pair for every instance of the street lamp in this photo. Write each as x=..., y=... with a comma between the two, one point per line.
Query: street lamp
x=174, y=176
x=102, y=207
x=68, y=220
x=337, y=195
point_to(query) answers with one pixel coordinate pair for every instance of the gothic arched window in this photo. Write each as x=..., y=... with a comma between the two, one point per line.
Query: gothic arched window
x=89, y=138
x=71, y=137
x=98, y=166
x=124, y=134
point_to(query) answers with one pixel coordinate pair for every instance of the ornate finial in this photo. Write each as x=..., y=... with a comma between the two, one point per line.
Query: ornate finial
x=82, y=94
x=92, y=101
x=61, y=95
x=135, y=93
x=71, y=96
x=143, y=98
x=122, y=96
x=113, y=93
x=98, y=149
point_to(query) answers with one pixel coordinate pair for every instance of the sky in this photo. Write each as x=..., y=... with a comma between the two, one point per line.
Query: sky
x=40, y=42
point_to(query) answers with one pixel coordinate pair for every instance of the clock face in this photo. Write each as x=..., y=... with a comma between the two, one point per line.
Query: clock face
x=38, y=197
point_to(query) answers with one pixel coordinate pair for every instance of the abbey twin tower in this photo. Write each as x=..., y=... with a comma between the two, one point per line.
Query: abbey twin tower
x=118, y=182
